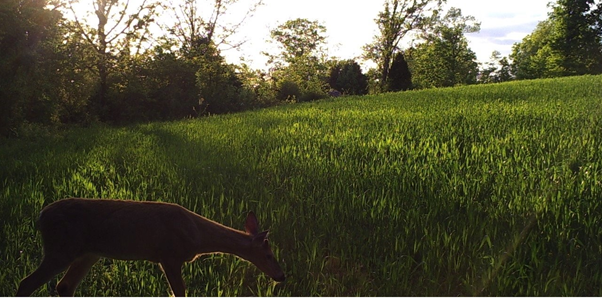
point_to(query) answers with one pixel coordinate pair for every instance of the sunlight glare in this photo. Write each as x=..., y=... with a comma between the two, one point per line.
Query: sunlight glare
x=82, y=11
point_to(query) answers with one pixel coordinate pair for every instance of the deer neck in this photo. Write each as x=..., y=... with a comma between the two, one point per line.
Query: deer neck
x=217, y=238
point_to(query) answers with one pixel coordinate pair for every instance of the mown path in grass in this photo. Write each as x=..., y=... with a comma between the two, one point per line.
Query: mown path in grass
x=479, y=190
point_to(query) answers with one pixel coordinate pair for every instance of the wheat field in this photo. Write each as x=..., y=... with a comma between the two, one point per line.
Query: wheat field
x=489, y=190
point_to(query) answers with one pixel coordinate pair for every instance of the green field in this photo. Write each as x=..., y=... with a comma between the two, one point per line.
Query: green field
x=479, y=190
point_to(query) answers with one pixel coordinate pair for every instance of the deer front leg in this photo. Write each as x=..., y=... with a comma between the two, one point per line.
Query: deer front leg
x=48, y=268
x=76, y=273
x=173, y=272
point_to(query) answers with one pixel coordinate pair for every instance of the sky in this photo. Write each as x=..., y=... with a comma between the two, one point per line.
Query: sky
x=350, y=25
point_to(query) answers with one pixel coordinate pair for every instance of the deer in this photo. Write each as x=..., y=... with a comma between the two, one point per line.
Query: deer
x=77, y=232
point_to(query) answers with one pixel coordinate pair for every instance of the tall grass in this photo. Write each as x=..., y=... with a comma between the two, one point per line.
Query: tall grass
x=480, y=190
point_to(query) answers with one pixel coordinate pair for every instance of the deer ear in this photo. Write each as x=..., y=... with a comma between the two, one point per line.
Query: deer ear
x=251, y=225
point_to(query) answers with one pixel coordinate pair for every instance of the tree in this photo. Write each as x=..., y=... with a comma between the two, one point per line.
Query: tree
x=444, y=59
x=347, y=77
x=30, y=46
x=172, y=84
x=193, y=76
x=534, y=56
x=192, y=22
x=120, y=29
x=297, y=39
x=302, y=59
x=569, y=42
x=154, y=85
x=577, y=37
x=398, y=18
x=259, y=84
x=400, y=78
x=497, y=70
x=220, y=89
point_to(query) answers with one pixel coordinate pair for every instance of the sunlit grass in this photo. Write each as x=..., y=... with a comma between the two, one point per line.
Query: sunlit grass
x=481, y=190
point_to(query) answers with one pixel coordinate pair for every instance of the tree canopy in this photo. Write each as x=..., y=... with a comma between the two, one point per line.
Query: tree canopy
x=569, y=42
x=576, y=36
x=301, y=61
x=124, y=61
x=347, y=77
x=444, y=59
x=396, y=21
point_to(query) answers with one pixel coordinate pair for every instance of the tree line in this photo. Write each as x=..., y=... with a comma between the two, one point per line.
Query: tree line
x=116, y=69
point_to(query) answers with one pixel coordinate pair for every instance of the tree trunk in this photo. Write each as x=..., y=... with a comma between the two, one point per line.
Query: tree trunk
x=385, y=72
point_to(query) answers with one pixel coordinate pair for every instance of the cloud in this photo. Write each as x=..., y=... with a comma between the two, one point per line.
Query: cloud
x=507, y=35
x=502, y=24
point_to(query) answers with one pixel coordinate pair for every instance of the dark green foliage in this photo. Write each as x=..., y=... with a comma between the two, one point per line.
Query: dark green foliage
x=444, y=59
x=28, y=37
x=567, y=43
x=288, y=90
x=577, y=38
x=219, y=87
x=311, y=95
x=55, y=71
x=400, y=78
x=533, y=57
x=172, y=83
x=121, y=28
x=301, y=60
x=158, y=86
x=348, y=78
x=398, y=18
x=258, y=85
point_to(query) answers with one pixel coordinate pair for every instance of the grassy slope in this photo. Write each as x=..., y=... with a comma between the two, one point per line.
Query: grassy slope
x=487, y=190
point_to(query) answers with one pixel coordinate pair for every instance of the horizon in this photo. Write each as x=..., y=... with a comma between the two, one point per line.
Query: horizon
x=350, y=27
x=353, y=26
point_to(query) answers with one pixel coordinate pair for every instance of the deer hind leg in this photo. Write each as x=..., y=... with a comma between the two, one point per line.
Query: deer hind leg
x=173, y=272
x=48, y=268
x=76, y=273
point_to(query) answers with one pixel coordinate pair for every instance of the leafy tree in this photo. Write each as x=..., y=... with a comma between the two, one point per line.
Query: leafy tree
x=400, y=78
x=220, y=89
x=534, y=56
x=347, y=77
x=497, y=70
x=172, y=84
x=155, y=85
x=444, y=59
x=398, y=18
x=569, y=42
x=67, y=60
x=193, y=75
x=374, y=86
x=185, y=75
x=259, y=84
x=166, y=85
x=192, y=22
x=302, y=58
x=576, y=36
x=30, y=64
x=119, y=30
x=288, y=90
x=298, y=39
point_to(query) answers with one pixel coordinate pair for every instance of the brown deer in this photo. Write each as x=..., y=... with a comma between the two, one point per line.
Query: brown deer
x=77, y=232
